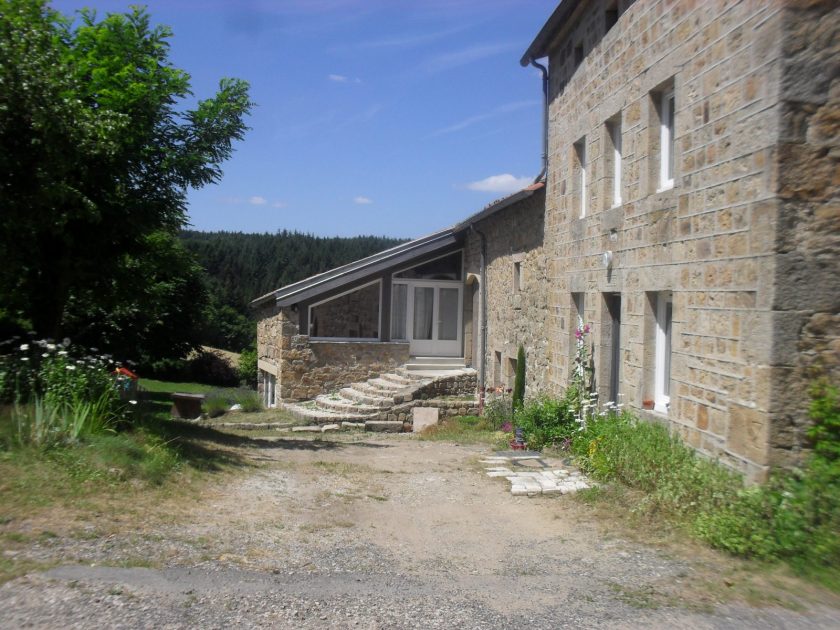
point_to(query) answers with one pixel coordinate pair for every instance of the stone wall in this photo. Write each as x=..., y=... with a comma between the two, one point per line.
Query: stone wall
x=349, y=316
x=806, y=305
x=745, y=240
x=515, y=236
x=305, y=368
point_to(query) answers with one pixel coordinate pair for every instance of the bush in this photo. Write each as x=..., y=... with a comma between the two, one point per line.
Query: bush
x=248, y=399
x=518, y=396
x=248, y=368
x=211, y=369
x=546, y=422
x=216, y=404
x=220, y=401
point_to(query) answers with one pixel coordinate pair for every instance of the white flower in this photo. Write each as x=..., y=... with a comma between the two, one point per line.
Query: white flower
x=71, y=367
x=24, y=358
x=94, y=349
x=62, y=353
x=65, y=342
x=45, y=354
x=132, y=402
x=24, y=347
x=50, y=346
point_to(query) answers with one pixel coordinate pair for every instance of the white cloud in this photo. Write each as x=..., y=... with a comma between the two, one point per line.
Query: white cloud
x=340, y=78
x=455, y=59
x=501, y=110
x=504, y=183
x=256, y=200
x=279, y=204
x=362, y=200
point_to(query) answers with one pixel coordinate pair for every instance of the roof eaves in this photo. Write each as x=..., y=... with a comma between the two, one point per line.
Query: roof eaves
x=549, y=32
x=499, y=204
x=357, y=265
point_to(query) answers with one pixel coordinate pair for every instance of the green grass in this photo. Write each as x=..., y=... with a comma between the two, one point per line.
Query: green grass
x=794, y=518
x=466, y=430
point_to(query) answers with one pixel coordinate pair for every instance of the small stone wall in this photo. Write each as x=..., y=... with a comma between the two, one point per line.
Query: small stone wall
x=460, y=385
x=309, y=368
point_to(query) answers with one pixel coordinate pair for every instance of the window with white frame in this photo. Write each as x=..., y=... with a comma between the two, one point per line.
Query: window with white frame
x=269, y=383
x=666, y=139
x=580, y=155
x=662, y=365
x=614, y=129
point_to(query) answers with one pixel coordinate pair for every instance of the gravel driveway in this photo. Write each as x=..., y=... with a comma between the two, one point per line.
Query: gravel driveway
x=377, y=532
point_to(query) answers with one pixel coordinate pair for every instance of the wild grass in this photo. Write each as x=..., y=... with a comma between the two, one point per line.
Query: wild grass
x=794, y=517
x=465, y=430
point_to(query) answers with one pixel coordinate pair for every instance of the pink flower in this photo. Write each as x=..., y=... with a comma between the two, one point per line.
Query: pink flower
x=586, y=329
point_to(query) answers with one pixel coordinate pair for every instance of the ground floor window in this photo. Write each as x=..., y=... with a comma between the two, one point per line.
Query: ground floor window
x=269, y=389
x=662, y=365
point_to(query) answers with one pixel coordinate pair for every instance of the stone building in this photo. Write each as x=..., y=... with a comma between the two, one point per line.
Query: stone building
x=688, y=213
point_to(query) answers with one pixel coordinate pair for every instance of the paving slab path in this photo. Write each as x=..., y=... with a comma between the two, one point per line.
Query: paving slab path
x=383, y=531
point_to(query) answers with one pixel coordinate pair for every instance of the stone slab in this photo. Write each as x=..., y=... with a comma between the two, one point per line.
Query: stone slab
x=352, y=425
x=313, y=429
x=330, y=427
x=384, y=426
x=423, y=417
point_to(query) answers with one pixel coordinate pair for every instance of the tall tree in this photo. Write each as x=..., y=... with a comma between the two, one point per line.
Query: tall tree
x=95, y=159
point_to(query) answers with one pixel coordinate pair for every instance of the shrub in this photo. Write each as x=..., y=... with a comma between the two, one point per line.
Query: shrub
x=211, y=369
x=498, y=409
x=216, y=403
x=518, y=396
x=546, y=422
x=248, y=399
x=248, y=368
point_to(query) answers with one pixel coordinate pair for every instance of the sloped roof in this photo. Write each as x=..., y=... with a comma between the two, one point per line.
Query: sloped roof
x=550, y=31
x=346, y=274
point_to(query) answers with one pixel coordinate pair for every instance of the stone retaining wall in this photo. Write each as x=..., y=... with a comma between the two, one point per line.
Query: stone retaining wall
x=305, y=368
x=460, y=385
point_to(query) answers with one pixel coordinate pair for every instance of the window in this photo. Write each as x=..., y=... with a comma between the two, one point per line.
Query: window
x=511, y=376
x=269, y=387
x=578, y=307
x=517, y=277
x=580, y=156
x=666, y=139
x=497, y=369
x=578, y=55
x=662, y=369
x=614, y=153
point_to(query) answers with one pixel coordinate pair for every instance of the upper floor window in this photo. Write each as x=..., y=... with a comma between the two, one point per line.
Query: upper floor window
x=613, y=153
x=580, y=157
x=666, y=139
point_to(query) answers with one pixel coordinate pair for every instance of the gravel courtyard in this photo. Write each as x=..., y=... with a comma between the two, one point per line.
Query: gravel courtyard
x=379, y=532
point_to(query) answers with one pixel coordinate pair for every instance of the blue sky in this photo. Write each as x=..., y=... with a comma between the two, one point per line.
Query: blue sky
x=373, y=116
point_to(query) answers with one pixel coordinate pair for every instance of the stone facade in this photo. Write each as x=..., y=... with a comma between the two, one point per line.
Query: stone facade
x=517, y=307
x=305, y=368
x=744, y=241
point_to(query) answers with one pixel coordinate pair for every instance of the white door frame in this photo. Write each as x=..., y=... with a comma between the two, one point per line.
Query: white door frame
x=433, y=347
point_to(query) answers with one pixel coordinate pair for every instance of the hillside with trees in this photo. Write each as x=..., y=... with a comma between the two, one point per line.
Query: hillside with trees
x=241, y=267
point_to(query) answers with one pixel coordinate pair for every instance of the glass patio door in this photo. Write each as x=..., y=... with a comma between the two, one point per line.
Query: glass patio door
x=428, y=314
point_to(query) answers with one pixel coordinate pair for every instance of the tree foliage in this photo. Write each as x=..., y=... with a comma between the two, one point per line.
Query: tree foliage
x=95, y=162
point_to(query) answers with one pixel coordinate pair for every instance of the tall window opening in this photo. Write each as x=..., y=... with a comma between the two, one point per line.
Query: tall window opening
x=662, y=369
x=666, y=139
x=613, y=153
x=580, y=158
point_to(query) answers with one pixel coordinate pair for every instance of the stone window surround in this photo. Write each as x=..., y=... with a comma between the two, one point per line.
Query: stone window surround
x=342, y=294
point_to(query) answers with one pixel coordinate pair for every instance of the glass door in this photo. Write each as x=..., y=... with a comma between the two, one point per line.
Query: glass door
x=428, y=314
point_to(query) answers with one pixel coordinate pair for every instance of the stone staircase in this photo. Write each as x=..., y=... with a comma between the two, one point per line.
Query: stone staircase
x=427, y=381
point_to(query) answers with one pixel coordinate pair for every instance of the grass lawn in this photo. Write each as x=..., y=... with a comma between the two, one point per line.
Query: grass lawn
x=465, y=430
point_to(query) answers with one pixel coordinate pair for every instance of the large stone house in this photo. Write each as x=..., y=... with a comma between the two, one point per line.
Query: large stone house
x=688, y=211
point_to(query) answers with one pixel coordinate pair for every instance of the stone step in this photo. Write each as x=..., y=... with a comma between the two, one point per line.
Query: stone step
x=410, y=375
x=381, y=402
x=456, y=361
x=310, y=413
x=398, y=379
x=329, y=402
x=384, y=385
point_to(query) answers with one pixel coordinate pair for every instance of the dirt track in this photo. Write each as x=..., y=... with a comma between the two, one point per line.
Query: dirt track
x=382, y=532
